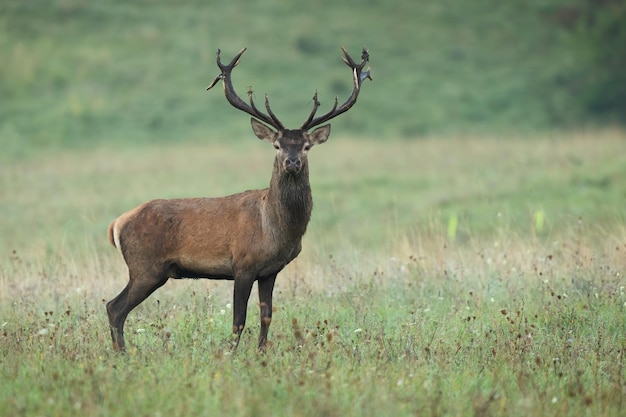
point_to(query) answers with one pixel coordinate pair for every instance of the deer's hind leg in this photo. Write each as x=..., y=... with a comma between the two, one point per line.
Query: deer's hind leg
x=139, y=287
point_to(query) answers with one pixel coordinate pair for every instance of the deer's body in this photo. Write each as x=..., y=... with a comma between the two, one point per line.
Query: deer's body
x=244, y=237
x=214, y=237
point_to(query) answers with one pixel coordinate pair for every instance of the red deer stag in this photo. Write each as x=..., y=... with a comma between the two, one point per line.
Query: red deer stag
x=244, y=237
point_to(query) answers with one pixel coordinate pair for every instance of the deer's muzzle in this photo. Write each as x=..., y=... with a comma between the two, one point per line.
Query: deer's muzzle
x=293, y=165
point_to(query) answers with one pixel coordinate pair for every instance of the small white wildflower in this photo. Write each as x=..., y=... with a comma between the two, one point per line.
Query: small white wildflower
x=222, y=311
x=140, y=330
x=359, y=330
x=427, y=309
x=493, y=300
x=228, y=306
x=42, y=332
x=554, y=400
x=399, y=383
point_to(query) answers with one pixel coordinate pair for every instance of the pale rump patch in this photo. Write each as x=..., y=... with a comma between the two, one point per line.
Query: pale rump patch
x=116, y=237
x=115, y=229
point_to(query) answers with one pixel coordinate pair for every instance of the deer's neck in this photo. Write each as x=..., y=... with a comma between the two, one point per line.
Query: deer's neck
x=290, y=202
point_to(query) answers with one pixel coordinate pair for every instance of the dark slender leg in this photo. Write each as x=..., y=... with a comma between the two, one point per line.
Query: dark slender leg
x=241, y=294
x=266, y=287
x=118, y=308
x=117, y=318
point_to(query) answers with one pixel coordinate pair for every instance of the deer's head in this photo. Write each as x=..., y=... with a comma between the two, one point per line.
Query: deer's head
x=292, y=145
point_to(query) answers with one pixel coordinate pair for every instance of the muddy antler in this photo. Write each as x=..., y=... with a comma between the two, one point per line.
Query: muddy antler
x=358, y=76
x=236, y=101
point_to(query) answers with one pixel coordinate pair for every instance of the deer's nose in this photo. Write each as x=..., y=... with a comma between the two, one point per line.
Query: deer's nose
x=293, y=164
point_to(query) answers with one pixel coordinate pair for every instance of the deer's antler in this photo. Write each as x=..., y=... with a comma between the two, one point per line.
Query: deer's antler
x=358, y=76
x=236, y=101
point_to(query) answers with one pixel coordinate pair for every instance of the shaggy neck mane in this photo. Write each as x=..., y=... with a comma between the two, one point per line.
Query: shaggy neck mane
x=291, y=201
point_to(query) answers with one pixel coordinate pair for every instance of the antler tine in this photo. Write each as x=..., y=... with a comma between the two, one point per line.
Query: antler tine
x=233, y=62
x=271, y=113
x=234, y=99
x=275, y=122
x=316, y=104
x=358, y=76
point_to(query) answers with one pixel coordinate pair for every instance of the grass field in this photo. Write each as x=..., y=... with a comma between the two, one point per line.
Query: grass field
x=443, y=276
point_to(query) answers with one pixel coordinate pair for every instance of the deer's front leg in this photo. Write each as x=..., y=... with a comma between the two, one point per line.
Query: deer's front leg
x=266, y=287
x=241, y=294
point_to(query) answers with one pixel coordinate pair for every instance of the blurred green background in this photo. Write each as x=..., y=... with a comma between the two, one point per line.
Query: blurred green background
x=78, y=73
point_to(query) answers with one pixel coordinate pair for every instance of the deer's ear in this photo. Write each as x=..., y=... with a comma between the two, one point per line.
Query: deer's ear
x=320, y=135
x=261, y=131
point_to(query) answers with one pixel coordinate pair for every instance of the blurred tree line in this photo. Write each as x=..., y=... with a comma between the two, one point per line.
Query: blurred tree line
x=598, y=29
x=77, y=73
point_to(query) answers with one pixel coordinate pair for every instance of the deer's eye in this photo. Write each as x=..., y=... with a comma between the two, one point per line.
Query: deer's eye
x=276, y=146
x=307, y=147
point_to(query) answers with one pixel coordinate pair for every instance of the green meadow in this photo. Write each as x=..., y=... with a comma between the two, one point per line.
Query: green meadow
x=447, y=276
x=467, y=249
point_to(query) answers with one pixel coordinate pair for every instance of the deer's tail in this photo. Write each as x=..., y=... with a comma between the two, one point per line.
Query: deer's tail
x=111, y=234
